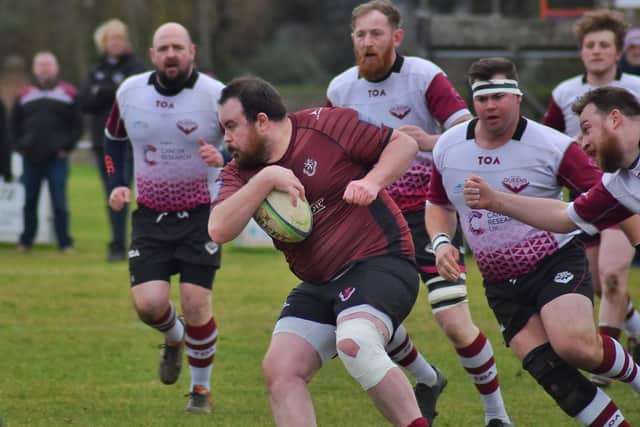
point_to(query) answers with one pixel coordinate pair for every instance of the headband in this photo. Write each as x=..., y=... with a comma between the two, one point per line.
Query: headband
x=482, y=87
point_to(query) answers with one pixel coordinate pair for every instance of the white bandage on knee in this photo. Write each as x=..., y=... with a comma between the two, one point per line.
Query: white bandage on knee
x=444, y=294
x=371, y=363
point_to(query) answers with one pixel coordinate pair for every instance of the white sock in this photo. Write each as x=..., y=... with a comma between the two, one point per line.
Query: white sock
x=201, y=376
x=632, y=321
x=402, y=351
x=176, y=332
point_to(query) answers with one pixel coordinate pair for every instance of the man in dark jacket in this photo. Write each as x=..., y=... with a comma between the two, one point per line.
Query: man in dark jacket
x=96, y=96
x=5, y=148
x=45, y=125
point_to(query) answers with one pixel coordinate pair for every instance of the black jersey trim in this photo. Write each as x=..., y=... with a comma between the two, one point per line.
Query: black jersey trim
x=517, y=135
x=617, y=77
x=188, y=84
x=395, y=68
x=388, y=224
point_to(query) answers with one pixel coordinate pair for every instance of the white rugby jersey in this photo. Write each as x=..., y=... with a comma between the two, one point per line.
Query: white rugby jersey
x=559, y=114
x=416, y=92
x=538, y=161
x=615, y=198
x=164, y=128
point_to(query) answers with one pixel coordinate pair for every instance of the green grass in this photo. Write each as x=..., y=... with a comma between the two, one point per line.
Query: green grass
x=74, y=354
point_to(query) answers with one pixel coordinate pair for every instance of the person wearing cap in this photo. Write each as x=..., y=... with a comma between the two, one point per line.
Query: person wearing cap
x=536, y=282
x=601, y=35
x=630, y=61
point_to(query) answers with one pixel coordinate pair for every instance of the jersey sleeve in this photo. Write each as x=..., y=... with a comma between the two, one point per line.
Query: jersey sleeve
x=114, y=128
x=578, y=172
x=444, y=102
x=553, y=117
x=597, y=209
x=437, y=194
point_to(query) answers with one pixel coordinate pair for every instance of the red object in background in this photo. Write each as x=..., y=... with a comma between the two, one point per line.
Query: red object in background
x=565, y=8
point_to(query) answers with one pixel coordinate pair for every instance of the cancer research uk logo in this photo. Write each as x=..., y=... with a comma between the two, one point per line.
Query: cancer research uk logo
x=147, y=154
x=475, y=223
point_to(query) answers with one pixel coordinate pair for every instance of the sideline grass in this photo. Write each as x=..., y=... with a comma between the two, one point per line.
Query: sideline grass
x=74, y=354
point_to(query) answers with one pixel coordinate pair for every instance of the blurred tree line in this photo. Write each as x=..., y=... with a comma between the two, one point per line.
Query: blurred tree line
x=281, y=40
x=285, y=41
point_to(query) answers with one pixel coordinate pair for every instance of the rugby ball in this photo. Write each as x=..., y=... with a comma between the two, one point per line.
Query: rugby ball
x=277, y=216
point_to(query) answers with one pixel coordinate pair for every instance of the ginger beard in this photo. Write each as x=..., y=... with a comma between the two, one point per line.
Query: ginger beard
x=372, y=65
x=255, y=154
x=609, y=151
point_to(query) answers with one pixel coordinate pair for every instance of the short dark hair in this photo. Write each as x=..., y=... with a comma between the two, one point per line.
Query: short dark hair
x=486, y=68
x=385, y=7
x=609, y=98
x=256, y=96
x=601, y=20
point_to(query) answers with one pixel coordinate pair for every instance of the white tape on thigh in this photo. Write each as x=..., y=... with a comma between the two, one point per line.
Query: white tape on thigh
x=447, y=296
x=371, y=363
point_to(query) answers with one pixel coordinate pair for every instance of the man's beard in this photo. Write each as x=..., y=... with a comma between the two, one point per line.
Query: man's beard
x=609, y=154
x=47, y=83
x=256, y=154
x=174, y=83
x=374, y=68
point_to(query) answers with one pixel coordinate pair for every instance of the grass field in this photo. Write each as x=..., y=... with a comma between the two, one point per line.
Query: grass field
x=72, y=352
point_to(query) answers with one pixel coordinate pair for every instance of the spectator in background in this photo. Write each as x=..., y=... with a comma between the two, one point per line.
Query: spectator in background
x=630, y=61
x=5, y=149
x=45, y=126
x=97, y=94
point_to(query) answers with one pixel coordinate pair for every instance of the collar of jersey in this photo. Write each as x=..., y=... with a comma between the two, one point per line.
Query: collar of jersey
x=517, y=135
x=189, y=84
x=617, y=77
x=395, y=68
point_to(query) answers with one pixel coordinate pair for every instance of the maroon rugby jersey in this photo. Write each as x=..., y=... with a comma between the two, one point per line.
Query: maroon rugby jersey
x=329, y=148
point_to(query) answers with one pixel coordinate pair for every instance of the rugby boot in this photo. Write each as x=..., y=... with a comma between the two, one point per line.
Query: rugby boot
x=428, y=396
x=171, y=360
x=199, y=401
x=497, y=422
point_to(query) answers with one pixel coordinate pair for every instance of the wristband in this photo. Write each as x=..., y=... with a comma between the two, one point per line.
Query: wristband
x=439, y=239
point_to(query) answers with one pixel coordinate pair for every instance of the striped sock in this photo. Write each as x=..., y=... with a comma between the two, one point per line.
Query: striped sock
x=169, y=326
x=201, y=348
x=477, y=360
x=402, y=351
x=632, y=321
x=601, y=412
x=618, y=364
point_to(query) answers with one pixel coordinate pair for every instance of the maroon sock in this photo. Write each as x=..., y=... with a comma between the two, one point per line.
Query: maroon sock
x=419, y=422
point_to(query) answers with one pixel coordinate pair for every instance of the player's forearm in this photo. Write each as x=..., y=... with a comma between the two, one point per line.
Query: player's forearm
x=440, y=219
x=545, y=214
x=228, y=218
x=394, y=160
